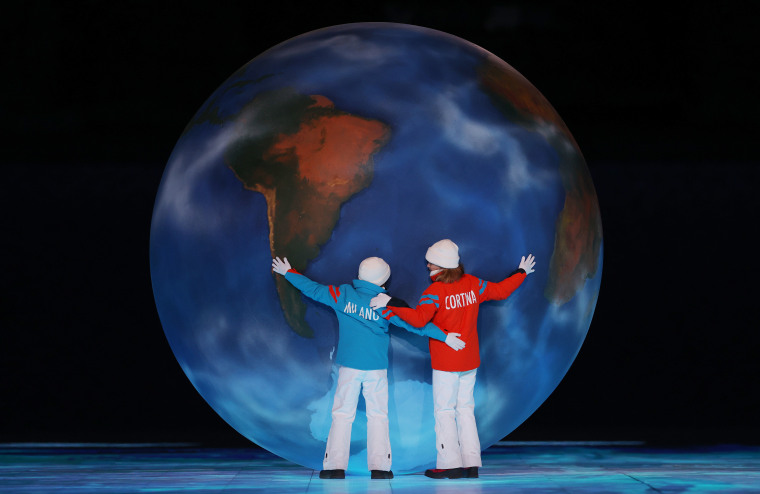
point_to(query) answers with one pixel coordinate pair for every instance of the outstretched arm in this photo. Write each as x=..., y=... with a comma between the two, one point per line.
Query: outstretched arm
x=326, y=294
x=503, y=289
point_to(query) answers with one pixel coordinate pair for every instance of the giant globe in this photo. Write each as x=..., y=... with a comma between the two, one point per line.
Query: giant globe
x=367, y=140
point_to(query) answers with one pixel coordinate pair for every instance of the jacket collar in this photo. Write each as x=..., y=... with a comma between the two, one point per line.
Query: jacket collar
x=367, y=286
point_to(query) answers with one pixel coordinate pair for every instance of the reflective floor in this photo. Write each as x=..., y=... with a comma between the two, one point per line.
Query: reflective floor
x=507, y=467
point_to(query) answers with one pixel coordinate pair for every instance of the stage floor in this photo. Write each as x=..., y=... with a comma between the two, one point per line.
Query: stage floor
x=507, y=467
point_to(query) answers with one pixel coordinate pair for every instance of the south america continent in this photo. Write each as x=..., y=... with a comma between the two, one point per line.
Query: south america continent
x=307, y=158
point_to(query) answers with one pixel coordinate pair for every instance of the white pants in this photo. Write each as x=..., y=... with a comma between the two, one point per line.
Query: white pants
x=456, y=434
x=374, y=387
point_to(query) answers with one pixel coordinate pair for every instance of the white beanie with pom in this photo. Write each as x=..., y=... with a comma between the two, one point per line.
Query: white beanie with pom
x=374, y=270
x=443, y=253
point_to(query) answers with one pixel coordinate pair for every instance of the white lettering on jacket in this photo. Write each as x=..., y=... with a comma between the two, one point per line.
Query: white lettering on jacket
x=460, y=300
x=364, y=312
x=368, y=313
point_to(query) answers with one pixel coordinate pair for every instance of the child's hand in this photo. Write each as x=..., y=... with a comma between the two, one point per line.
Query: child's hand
x=380, y=300
x=280, y=267
x=527, y=264
x=454, y=342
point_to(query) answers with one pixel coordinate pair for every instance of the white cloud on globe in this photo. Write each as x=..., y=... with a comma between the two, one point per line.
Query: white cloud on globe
x=177, y=203
x=464, y=131
x=346, y=46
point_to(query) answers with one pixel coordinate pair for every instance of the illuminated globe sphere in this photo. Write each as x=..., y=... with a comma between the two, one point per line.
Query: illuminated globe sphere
x=367, y=140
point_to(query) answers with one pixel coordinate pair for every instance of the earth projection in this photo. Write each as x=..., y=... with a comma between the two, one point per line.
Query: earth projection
x=367, y=140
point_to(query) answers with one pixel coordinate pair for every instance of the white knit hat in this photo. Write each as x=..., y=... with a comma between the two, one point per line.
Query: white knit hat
x=443, y=253
x=374, y=270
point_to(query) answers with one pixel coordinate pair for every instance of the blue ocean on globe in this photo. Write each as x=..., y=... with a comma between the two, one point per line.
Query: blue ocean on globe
x=364, y=140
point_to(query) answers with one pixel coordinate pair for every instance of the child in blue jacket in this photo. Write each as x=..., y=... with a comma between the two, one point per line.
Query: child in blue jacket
x=362, y=358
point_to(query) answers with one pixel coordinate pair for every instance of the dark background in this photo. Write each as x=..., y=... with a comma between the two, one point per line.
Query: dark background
x=661, y=98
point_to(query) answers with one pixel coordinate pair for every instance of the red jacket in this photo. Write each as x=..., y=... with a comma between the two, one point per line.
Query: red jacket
x=453, y=307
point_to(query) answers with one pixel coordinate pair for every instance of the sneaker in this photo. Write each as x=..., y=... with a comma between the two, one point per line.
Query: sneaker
x=332, y=474
x=382, y=474
x=444, y=473
x=471, y=473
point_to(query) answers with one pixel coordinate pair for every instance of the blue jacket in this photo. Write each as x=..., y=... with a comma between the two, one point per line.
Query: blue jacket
x=362, y=334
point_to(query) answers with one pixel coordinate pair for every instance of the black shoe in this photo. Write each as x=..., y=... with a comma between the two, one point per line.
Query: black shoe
x=382, y=474
x=471, y=473
x=332, y=474
x=444, y=473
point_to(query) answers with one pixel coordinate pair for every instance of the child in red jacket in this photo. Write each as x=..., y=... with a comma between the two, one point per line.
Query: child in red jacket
x=452, y=302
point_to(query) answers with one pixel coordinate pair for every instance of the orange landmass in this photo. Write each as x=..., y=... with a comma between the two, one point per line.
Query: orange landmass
x=332, y=154
x=576, y=247
x=306, y=174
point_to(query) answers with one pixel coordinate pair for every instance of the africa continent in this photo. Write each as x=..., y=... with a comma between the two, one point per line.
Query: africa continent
x=307, y=158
